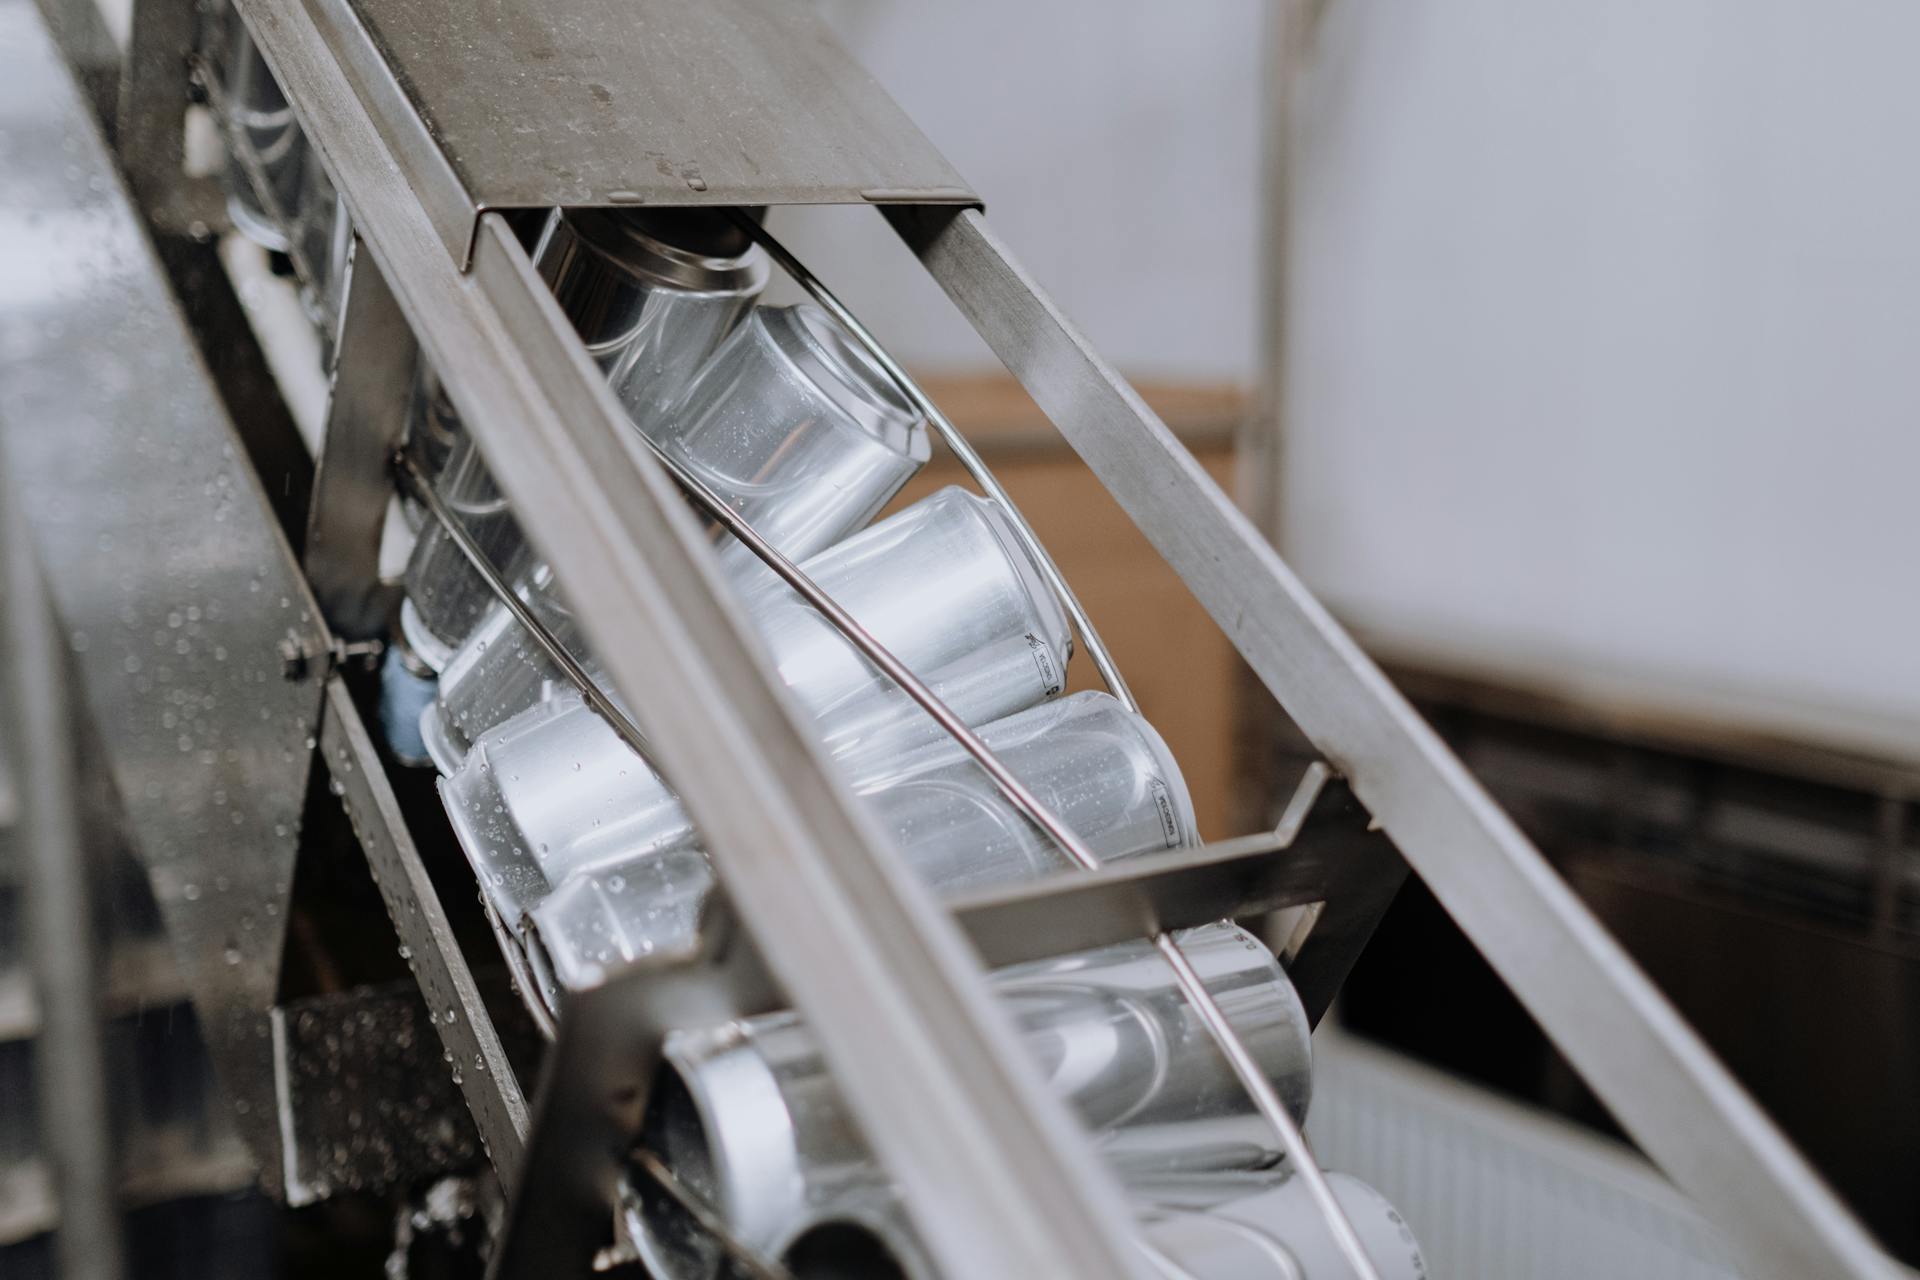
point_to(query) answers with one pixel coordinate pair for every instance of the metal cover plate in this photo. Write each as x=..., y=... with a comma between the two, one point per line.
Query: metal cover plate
x=601, y=102
x=163, y=560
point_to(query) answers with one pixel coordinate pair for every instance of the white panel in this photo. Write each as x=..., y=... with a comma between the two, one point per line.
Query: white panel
x=1607, y=368
x=1116, y=145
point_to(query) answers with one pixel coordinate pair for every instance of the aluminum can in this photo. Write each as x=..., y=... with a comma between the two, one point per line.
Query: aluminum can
x=748, y=1116
x=652, y=293
x=1277, y=1234
x=789, y=423
x=635, y=295
x=554, y=790
x=1102, y=768
x=259, y=119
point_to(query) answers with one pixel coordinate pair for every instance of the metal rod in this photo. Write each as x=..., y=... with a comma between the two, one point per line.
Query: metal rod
x=1260, y=1089
x=71, y=1076
x=590, y=689
x=975, y=465
x=708, y=1218
x=522, y=974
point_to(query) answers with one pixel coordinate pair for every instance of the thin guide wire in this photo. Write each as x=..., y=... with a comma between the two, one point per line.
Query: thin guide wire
x=970, y=459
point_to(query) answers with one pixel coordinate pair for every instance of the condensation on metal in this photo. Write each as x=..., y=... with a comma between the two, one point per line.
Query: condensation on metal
x=164, y=562
x=723, y=103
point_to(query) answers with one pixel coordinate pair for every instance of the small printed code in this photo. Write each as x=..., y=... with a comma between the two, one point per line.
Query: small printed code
x=1163, y=805
x=1043, y=659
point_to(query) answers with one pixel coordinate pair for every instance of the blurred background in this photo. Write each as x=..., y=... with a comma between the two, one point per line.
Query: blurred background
x=1566, y=351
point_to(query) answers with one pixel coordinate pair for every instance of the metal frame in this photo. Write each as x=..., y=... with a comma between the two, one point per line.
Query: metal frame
x=882, y=971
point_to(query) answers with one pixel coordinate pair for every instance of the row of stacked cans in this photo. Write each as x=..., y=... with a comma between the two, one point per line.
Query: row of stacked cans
x=588, y=861
x=278, y=193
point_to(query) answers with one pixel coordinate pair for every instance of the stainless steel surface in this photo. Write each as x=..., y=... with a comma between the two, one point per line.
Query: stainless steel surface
x=169, y=576
x=993, y=1172
x=626, y=108
x=71, y=1082
x=353, y=485
x=970, y=459
x=756, y=1127
x=150, y=120
x=454, y=1006
x=1652, y=1071
x=363, y=1099
x=651, y=604
x=1328, y=859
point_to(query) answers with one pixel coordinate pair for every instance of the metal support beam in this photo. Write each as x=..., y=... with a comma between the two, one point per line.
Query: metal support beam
x=1643, y=1060
x=372, y=378
x=454, y=1005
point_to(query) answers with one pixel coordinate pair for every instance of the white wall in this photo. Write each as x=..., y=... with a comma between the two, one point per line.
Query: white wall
x=1607, y=368
x=1116, y=145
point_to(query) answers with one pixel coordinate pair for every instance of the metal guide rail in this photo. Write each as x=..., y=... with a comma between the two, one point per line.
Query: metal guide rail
x=820, y=913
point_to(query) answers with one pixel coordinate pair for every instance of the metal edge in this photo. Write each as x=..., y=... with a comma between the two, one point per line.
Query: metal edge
x=233, y=999
x=436, y=185
x=369, y=386
x=1333, y=859
x=454, y=1004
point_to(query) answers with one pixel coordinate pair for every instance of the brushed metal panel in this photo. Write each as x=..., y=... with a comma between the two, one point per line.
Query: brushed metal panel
x=166, y=567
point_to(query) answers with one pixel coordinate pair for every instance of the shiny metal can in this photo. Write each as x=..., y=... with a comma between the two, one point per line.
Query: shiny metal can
x=651, y=292
x=788, y=423
x=941, y=584
x=1279, y=1234
x=260, y=120
x=1100, y=767
x=1274, y=1234
x=748, y=1116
